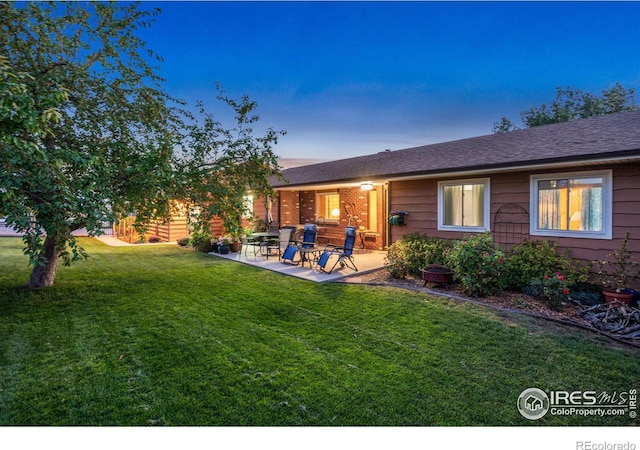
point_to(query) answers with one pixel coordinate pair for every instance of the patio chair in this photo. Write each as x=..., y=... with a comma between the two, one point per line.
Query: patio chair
x=344, y=254
x=274, y=227
x=250, y=242
x=284, y=241
x=321, y=227
x=306, y=247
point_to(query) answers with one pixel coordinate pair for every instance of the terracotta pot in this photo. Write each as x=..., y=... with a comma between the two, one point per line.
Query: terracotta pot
x=620, y=296
x=435, y=273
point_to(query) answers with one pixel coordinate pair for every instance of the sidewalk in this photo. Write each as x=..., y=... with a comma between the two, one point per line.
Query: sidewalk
x=115, y=242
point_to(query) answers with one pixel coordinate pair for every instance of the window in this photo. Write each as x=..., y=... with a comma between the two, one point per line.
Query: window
x=328, y=206
x=247, y=212
x=372, y=214
x=463, y=205
x=572, y=205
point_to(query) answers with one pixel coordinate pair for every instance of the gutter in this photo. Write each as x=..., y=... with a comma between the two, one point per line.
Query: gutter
x=462, y=172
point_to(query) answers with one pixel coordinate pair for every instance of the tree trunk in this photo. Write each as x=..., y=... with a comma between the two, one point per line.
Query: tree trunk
x=43, y=276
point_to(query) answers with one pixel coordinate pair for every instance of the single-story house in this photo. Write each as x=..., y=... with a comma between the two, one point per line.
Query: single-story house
x=577, y=183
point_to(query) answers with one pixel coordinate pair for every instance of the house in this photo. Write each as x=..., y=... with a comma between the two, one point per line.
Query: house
x=533, y=403
x=577, y=183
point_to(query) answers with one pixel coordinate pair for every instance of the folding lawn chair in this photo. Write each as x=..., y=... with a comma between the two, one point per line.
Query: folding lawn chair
x=344, y=254
x=281, y=245
x=305, y=247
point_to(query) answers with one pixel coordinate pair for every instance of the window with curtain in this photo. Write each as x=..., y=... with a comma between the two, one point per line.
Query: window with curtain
x=328, y=205
x=463, y=205
x=573, y=205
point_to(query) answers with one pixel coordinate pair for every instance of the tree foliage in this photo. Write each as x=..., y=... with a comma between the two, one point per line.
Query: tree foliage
x=571, y=104
x=88, y=134
x=217, y=165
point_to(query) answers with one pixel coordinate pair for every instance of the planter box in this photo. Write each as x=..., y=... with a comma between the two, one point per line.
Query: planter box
x=623, y=297
x=435, y=273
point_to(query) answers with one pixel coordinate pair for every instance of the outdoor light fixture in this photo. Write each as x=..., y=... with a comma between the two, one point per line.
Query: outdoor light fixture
x=366, y=186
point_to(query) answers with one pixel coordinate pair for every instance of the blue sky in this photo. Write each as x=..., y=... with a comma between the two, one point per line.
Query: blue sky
x=352, y=78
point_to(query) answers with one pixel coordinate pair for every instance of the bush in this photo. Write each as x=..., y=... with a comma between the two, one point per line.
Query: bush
x=586, y=294
x=552, y=289
x=201, y=241
x=533, y=260
x=412, y=252
x=154, y=239
x=478, y=264
x=184, y=242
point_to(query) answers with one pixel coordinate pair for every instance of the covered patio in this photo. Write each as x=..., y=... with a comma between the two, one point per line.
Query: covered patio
x=366, y=261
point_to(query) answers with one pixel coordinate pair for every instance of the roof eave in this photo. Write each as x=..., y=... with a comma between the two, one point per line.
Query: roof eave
x=553, y=163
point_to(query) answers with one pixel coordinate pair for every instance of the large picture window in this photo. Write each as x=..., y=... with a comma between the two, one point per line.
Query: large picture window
x=572, y=205
x=463, y=205
x=328, y=205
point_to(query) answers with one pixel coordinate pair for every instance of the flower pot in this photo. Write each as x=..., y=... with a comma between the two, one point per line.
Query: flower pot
x=435, y=273
x=223, y=249
x=235, y=246
x=623, y=297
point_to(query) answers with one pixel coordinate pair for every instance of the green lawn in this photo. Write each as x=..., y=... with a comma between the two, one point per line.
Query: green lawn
x=165, y=336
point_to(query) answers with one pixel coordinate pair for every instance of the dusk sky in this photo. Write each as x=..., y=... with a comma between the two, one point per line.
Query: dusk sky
x=352, y=78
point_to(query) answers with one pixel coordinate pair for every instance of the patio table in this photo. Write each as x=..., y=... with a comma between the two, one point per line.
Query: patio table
x=263, y=237
x=308, y=254
x=363, y=234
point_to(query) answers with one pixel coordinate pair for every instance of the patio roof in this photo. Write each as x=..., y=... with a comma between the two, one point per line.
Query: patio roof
x=601, y=138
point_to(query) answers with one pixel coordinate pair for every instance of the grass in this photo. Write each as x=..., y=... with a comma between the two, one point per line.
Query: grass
x=165, y=336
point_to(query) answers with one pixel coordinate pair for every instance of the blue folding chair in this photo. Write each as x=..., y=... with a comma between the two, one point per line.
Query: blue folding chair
x=305, y=248
x=344, y=254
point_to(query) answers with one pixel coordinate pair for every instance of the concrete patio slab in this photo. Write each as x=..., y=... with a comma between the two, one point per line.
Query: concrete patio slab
x=365, y=262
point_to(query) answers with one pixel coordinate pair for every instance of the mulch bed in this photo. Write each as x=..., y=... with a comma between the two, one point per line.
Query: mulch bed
x=571, y=314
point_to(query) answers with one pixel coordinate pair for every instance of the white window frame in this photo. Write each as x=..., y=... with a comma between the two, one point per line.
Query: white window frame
x=607, y=207
x=487, y=205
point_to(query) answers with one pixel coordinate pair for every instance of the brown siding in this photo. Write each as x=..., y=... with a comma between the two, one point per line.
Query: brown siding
x=419, y=198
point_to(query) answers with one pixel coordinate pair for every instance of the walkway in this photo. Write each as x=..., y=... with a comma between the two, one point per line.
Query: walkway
x=115, y=242
x=365, y=262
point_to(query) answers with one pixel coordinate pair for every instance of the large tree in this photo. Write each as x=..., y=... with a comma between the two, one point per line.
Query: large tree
x=571, y=104
x=87, y=133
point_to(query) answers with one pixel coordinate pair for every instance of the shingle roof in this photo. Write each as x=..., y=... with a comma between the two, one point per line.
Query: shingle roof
x=601, y=137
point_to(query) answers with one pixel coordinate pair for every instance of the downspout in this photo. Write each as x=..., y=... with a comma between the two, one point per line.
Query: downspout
x=387, y=208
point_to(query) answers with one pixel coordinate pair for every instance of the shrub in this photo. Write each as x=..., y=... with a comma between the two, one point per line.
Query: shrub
x=184, y=242
x=533, y=260
x=201, y=241
x=478, y=264
x=552, y=289
x=412, y=252
x=587, y=294
x=154, y=239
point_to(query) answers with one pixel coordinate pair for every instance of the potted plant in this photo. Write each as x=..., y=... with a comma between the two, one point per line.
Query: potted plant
x=235, y=241
x=618, y=272
x=215, y=245
x=223, y=246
